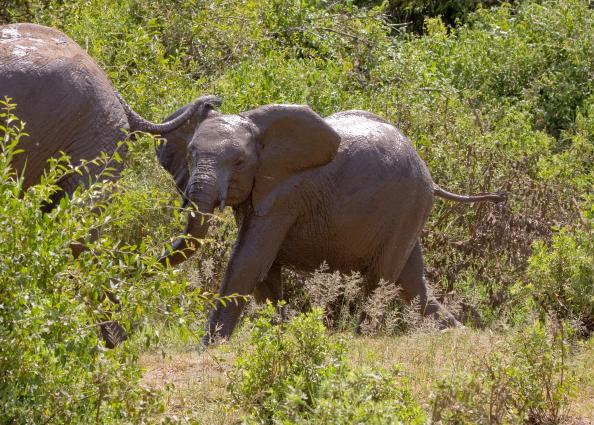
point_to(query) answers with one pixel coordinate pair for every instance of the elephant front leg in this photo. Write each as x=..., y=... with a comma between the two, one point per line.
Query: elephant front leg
x=255, y=250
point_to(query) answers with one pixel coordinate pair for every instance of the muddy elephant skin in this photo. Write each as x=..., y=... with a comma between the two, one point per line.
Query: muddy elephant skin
x=349, y=190
x=67, y=102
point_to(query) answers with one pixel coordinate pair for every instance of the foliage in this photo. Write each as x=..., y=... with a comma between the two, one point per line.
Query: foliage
x=562, y=275
x=526, y=380
x=362, y=395
x=292, y=373
x=291, y=357
x=53, y=366
x=551, y=77
x=340, y=296
x=20, y=10
x=411, y=15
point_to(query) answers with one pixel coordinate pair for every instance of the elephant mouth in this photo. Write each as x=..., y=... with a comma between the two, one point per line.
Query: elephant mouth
x=208, y=194
x=237, y=193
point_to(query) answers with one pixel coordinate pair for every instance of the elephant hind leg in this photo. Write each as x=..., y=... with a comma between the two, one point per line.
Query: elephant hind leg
x=270, y=288
x=387, y=266
x=66, y=185
x=414, y=287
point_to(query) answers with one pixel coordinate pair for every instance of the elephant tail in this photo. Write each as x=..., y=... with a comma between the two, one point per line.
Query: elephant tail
x=489, y=196
x=138, y=123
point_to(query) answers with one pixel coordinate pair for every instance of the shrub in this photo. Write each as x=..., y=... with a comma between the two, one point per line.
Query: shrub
x=412, y=14
x=363, y=396
x=524, y=381
x=292, y=357
x=337, y=294
x=294, y=374
x=53, y=366
x=562, y=275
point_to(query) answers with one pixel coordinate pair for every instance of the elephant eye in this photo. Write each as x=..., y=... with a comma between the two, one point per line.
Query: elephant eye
x=239, y=162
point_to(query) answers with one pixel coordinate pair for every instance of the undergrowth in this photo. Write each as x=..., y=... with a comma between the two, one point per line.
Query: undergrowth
x=54, y=367
x=293, y=373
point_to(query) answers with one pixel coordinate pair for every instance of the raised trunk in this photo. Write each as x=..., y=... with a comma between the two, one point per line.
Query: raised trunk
x=137, y=123
x=196, y=228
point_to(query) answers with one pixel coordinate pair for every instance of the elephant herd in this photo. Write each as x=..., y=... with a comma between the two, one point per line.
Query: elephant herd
x=348, y=189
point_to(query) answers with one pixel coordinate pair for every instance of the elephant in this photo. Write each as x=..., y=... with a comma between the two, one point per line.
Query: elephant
x=68, y=104
x=348, y=190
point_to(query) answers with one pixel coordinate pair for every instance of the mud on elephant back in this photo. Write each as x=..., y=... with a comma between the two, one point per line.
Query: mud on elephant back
x=348, y=190
x=69, y=105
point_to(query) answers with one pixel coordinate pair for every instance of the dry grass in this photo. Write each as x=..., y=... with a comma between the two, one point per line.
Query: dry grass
x=583, y=404
x=195, y=383
x=424, y=356
x=430, y=355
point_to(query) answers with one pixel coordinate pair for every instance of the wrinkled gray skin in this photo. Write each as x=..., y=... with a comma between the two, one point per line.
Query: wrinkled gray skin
x=349, y=189
x=68, y=103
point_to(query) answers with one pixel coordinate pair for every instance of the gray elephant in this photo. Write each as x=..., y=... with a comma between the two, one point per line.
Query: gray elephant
x=348, y=189
x=68, y=103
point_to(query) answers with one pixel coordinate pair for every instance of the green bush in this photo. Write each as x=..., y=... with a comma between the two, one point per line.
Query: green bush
x=53, y=366
x=535, y=54
x=289, y=358
x=293, y=373
x=526, y=380
x=411, y=15
x=363, y=396
x=562, y=275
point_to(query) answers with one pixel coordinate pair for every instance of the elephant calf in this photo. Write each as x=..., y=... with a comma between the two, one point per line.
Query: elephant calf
x=348, y=189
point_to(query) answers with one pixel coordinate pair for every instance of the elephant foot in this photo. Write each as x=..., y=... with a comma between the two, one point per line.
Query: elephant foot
x=214, y=335
x=112, y=333
x=212, y=339
x=446, y=320
x=222, y=321
x=359, y=326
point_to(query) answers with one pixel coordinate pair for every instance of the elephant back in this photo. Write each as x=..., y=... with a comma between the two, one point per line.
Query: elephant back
x=65, y=99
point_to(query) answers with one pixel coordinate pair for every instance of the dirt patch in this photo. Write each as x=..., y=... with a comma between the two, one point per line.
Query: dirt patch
x=194, y=385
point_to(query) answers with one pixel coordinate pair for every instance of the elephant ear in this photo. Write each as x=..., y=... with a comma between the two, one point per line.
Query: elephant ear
x=293, y=138
x=172, y=150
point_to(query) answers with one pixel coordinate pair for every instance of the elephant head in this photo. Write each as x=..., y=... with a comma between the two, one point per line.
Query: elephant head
x=233, y=159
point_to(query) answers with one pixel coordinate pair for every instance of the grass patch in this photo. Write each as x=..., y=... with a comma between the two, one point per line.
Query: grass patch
x=197, y=384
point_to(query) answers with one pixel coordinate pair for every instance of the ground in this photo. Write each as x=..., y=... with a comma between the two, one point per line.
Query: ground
x=195, y=382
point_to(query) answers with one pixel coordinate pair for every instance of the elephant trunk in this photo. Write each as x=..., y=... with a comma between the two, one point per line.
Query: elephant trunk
x=138, y=123
x=196, y=228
